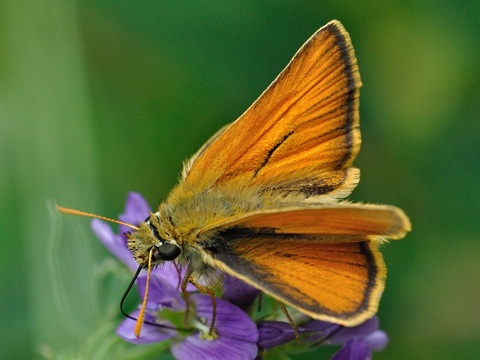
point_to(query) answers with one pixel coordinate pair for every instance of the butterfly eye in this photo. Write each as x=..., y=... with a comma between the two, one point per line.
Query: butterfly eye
x=166, y=251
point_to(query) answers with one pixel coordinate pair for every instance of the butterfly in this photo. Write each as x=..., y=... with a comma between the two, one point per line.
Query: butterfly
x=263, y=199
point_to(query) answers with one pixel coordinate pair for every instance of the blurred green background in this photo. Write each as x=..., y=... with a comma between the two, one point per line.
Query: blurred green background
x=98, y=98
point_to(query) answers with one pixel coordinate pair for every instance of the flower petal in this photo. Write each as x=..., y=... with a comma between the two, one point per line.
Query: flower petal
x=194, y=347
x=136, y=211
x=161, y=293
x=237, y=334
x=238, y=292
x=116, y=244
x=362, y=330
x=354, y=349
x=317, y=330
x=150, y=333
x=274, y=333
x=231, y=321
x=377, y=341
x=168, y=272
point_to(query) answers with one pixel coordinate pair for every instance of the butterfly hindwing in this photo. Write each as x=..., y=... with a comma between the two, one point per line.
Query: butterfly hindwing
x=331, y=281
x=338, y=219
x=323, y=261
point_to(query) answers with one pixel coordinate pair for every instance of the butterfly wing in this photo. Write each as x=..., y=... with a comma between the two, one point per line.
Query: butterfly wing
x=336, y=282
x=339, y=219
x=323, y=261
x=299, y=137
x=301, y=133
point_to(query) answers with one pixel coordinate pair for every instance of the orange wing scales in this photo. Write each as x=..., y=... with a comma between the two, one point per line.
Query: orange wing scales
x=314, y=185
x=306, y=122
x=341, y=219
x=340, y=281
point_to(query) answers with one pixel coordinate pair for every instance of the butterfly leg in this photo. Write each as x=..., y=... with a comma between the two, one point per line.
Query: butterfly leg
x=290, y=320
x=186, y=294
x=190, y=277
x=260, y=300
x=209, y=291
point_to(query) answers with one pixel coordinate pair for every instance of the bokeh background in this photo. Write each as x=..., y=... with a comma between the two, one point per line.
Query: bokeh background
x=98, y=98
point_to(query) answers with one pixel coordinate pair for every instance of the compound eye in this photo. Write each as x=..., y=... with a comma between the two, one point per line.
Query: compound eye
x=166, y=251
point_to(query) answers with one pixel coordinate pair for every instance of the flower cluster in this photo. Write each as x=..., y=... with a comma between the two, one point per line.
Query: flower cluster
x=236, y=333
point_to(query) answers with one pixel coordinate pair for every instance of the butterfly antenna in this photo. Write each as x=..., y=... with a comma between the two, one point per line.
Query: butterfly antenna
x=141, y=316
x=83, y=213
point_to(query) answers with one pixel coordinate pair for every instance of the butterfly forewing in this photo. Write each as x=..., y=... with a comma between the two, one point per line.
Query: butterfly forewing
x=303, y=127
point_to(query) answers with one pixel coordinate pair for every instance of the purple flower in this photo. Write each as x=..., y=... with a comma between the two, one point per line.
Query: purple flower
x=238, y=292
x=235, y=335
x=274, y=333
x=357, y=341
x=150, y=334
x=354, y=349
x=136, y=211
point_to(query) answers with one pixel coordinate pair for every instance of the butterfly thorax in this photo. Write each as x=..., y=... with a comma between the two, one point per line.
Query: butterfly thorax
x=191, y=210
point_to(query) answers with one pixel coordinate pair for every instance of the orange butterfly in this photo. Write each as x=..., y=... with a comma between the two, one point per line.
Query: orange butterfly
x=261, y=200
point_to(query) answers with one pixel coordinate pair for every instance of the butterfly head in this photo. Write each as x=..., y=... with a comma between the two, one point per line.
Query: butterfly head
x=151, y=236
